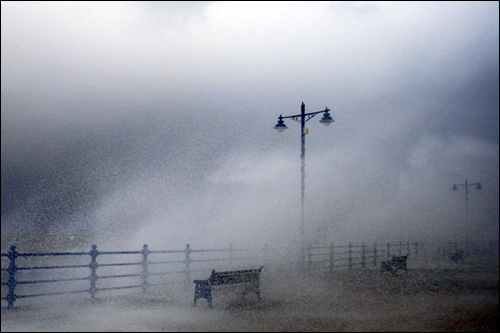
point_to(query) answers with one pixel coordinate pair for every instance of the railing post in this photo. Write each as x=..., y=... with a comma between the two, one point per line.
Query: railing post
x=231, y=254
x=93, y=267
x=187, y=261
x=145, y=252
x=302, y=263
x=266, y=254
x=363, y=255
x=309, y=256
x=331, y=257
x=400, y=248
x=350, y=256
x=11, y=283
x=388, y=249
x=375, y=254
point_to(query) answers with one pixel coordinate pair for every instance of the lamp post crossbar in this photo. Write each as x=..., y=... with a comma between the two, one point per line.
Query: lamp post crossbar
x=299, y=117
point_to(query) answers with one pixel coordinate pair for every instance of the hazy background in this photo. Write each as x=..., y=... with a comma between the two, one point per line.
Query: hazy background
x=152, y=122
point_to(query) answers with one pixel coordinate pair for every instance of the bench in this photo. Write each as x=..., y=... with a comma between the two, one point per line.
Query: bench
x=395, y=264
x=203, y=288
x=458, y=255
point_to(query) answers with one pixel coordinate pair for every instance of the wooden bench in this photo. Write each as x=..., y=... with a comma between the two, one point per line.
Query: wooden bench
x=395, y=264
x=203, y=288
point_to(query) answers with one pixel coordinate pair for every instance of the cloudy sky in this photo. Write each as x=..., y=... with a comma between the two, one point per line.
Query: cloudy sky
x=154, y=120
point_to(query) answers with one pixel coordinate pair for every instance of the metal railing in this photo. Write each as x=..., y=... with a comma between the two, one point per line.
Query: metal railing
x=183, y=259
x=184, y=263
x=331, y=257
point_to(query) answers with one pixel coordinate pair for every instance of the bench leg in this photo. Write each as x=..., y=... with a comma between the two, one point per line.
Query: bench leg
x=203, y=290
x=257, y=290
x=254, y=287
x=386, y=266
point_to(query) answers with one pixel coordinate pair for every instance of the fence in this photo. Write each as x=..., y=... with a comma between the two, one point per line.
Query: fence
x=184, y=263
x=331, y=257
x=181, y=262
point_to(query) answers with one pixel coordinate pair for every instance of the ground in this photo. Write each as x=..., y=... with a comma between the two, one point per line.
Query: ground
x=454, y=298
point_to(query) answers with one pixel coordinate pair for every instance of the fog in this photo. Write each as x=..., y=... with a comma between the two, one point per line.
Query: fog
x=152, y=122
x=434, y=295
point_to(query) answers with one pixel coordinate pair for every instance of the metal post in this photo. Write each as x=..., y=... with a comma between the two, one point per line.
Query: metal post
x=363, y=255
x=187, y=261
x=350, y=256
x=12, y=283
x=309, y=256
x=466, y=204
x=145, y=252
x=303, y=117
x=331, y=257
x=266, y=254
x=302, y=170
x=93, y=267
x=231, y=254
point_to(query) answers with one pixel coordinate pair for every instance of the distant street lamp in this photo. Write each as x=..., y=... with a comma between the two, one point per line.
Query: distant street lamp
x=302, y=118
x=467, y=184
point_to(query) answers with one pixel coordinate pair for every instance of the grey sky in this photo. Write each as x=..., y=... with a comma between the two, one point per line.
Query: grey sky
x=158, y=115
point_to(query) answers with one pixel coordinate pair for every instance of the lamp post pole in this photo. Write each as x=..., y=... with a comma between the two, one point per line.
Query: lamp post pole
x=303, y=117
x=302, y=168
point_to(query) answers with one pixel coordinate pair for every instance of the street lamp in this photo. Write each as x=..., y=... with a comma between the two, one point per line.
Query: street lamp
x=302, y=118
x=466, y=185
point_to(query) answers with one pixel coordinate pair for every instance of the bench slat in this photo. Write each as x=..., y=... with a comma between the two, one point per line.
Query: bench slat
x=236, y=277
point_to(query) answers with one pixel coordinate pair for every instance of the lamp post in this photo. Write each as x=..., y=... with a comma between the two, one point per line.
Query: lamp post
x=466, y=185
x=303, y=118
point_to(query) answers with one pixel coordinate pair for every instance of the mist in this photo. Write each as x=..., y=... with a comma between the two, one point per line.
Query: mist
x=152, y=122
x=132, y=123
